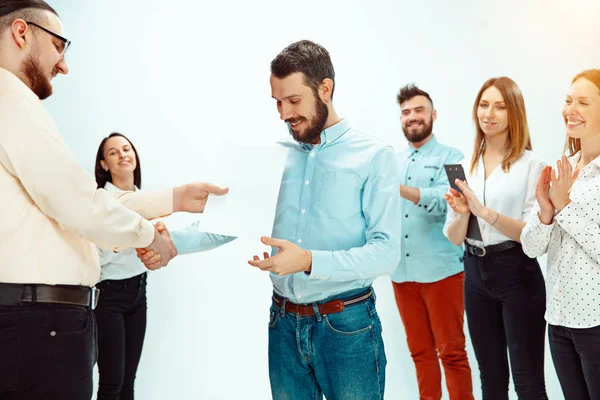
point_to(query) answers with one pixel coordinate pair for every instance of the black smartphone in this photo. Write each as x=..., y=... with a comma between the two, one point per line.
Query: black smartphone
x=454, y=172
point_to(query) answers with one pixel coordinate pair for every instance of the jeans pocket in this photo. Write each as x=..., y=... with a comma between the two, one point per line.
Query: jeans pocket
x=69, y=323
x=354, y=320
x=274, y=316
x=9, y=367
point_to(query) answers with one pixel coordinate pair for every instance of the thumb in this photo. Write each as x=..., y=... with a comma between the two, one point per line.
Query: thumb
x=216, y=190
x=269, y=241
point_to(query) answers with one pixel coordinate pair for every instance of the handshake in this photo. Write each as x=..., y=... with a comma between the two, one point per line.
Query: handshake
x=190, y=198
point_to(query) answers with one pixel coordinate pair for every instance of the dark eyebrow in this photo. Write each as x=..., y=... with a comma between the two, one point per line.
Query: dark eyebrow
x=288, y=97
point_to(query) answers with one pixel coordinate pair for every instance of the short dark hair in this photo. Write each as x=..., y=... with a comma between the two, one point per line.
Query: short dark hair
x=27, y=10
x=411, y=90
x=307, y=57
x=103, y=176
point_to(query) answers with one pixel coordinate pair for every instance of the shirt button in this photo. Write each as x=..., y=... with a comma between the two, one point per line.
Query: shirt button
x=409, y=178
x=413, y=160
x=299, y=240
x=312, y=154
x=431, y=179
x=406, y=216
x=303, y=211
x=406, y=236
x=306, y=182
x=53, y=333
x=407, y=254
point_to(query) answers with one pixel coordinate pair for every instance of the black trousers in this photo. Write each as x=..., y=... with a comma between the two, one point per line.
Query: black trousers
x=47, y=351
x=505, y=302
x=121, y=317
x=576, y=356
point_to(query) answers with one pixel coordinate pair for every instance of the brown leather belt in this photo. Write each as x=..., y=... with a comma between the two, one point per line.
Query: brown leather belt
x=331, y=307
x=14, y=294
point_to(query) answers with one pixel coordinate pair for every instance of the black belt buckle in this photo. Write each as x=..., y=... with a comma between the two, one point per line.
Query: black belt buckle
x=478, y=251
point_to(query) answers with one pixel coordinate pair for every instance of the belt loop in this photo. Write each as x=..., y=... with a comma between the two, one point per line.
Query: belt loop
x=283, y=304
x=33, y=289
x=317, y=313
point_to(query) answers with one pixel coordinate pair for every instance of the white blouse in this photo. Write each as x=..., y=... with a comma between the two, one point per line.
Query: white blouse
x=573, y=245
x=511, y=193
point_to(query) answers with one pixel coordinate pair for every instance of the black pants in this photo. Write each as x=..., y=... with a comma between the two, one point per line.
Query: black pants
x=576, y=356
x=505, y=302
x=47, y=351
x=121, y=316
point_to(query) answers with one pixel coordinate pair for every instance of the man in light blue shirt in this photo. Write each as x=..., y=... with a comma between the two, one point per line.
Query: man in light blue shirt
x=337, y=228
x=428, y=282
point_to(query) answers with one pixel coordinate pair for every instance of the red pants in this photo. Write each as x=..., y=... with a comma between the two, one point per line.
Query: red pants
x=433, y=317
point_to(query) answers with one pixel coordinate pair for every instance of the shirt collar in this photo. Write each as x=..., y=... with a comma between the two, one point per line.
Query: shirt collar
x=425, y=149
x=109, y=187
x=330, y=134
x=9, y=82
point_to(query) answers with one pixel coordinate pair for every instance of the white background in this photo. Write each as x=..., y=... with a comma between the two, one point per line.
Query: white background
x=177, y=76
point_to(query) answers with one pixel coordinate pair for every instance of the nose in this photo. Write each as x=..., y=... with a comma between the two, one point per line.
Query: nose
x=62, y=66
x=489, y=112
x=570, y=108
x=285, y=112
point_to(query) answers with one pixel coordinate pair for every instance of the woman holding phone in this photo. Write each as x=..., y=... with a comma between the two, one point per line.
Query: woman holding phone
x=504, y=288
x=566, y=225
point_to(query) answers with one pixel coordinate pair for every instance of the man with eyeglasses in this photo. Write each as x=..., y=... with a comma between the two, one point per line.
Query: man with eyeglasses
x=50, y=213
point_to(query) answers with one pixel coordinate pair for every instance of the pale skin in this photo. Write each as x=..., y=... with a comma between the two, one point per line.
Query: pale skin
x=414, y=114
x=493, y=121
x=295, y=101
x=581, y=115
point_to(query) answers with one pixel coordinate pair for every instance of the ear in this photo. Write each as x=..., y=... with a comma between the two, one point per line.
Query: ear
x=104, y=165
x=433, y=115
x=19, y=30
x=325, y=90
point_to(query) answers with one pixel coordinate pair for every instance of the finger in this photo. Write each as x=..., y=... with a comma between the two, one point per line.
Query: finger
x=547, y=174
x=269, y=241
x=255, y=258
x=265, y=255
x=160, y=226
x=553, y=177
x=152, y=260
x=263, y=265
x=568, y=168
x=455, y=192
x=154, y=266
x=148, y=255
x=140, y=252
x=216, y=190
x=575, y=174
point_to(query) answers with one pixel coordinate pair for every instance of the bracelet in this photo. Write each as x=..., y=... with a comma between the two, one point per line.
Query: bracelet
x=497, y=218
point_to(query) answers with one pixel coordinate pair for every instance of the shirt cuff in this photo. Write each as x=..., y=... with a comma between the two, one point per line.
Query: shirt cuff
x=322, y=264
x=541, y=227
x=145, y=236
x=426, y=197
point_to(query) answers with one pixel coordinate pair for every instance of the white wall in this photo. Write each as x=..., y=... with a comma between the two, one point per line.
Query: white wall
x=176, y=76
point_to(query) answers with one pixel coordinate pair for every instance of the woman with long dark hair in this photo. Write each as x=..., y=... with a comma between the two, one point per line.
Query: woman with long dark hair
x=121, y=310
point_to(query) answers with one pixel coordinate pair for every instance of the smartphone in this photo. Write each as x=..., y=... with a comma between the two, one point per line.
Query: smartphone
x=454, y=172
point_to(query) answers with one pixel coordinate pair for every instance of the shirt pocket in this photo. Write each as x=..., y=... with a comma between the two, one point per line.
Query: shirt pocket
x=339, y=194
x=428, y=175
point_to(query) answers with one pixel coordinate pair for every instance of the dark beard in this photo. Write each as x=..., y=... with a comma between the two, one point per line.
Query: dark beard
x=314, y=129
x=40, y=85
x=418, y=137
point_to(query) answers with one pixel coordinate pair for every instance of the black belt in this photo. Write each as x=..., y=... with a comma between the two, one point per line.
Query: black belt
x=15, y=294
x=481, y=251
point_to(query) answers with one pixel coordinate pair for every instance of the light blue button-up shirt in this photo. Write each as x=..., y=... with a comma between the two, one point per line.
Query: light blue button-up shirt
x=125, y=264
x=340, y=200
x=427, y=255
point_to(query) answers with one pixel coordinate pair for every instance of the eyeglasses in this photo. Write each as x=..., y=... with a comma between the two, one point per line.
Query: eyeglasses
x=65, y=42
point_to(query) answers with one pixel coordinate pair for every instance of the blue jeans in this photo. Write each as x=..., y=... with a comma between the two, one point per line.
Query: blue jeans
x=339, y=355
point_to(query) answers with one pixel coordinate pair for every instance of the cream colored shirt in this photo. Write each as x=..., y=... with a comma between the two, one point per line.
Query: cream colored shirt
x=50, y=209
